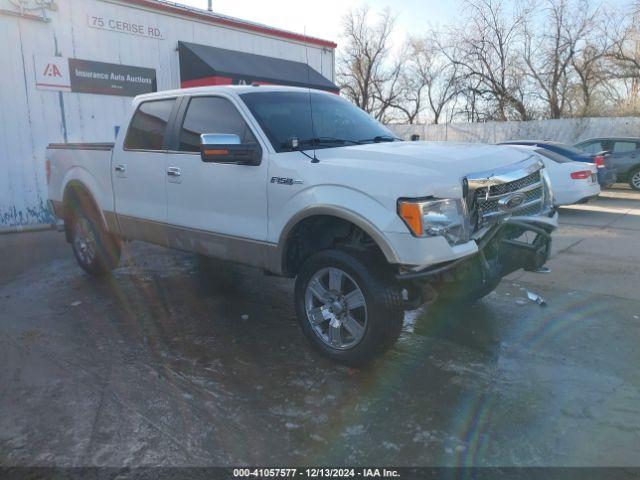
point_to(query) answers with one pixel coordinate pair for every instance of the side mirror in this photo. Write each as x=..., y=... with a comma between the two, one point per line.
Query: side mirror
x=226, y=148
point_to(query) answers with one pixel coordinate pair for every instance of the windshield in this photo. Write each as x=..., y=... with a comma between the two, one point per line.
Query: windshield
x=287, y=115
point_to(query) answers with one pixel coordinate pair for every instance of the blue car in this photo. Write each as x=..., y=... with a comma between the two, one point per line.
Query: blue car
x=607, y=174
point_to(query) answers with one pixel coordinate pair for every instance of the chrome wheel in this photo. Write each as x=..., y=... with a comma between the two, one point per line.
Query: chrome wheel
x=635, y=180
x=336, y=308
x=84, y=240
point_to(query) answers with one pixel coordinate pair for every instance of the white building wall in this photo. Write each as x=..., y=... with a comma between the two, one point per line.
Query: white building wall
x=30, y=118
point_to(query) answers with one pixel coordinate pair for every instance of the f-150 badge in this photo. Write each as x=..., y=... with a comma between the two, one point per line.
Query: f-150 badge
x=285, y=181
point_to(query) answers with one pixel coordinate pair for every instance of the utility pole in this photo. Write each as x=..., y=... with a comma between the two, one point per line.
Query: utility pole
x=210, y=7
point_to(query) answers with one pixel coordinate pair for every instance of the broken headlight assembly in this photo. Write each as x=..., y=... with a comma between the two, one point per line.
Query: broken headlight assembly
x=438, y=217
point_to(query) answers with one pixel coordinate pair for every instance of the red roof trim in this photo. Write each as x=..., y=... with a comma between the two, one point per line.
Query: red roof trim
x=206, y=17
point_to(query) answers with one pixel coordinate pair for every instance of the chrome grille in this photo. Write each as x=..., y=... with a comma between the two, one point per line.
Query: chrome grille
x=514, y=186
x=489, y=194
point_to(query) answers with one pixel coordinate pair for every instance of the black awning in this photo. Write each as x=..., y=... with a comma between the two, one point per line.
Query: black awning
x=202, y=65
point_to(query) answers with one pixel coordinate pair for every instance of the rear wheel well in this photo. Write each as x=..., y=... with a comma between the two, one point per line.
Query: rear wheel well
x=321, y=232
x=77, y=198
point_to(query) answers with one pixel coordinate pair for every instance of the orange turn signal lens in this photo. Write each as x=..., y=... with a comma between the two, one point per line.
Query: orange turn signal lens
x=216, y=152
x=411, y=213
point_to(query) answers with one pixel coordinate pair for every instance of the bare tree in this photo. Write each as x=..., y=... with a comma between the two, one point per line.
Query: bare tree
x=624, y=33
x=438, y=77
x=366, y=75
x=413, y=83
x=486, y=49
x=427, y=81
x=506, y=60
x=592, y=69
x=549, y=51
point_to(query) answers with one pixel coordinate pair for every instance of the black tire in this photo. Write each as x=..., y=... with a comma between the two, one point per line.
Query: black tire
x=634, y=183
x=382, y=299
x=106, y=255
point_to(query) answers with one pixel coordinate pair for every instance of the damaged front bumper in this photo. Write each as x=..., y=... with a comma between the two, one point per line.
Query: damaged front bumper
x=519, y=242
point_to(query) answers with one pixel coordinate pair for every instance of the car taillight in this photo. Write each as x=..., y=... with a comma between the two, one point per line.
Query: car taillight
x=599, y=161
x=47, y=166
x=581, y=175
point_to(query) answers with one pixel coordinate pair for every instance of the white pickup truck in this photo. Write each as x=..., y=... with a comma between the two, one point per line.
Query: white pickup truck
x=303, y=184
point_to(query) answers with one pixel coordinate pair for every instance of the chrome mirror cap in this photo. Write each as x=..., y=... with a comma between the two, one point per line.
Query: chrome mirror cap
x=219, y=139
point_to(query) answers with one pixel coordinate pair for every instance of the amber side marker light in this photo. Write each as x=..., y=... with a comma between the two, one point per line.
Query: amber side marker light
x=412, y=216
x=216, y=152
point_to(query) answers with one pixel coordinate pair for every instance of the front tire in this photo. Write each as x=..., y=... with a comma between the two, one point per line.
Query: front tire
x=95, y=249
x=348, y=306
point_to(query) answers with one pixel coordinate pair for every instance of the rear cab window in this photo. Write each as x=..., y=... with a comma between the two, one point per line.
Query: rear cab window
x=148, y=128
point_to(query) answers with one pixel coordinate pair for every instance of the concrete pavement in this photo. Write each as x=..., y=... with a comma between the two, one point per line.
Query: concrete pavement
x=160, y=365
x=597, y=249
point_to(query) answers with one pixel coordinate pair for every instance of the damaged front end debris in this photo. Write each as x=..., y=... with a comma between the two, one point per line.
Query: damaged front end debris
x=505, y=248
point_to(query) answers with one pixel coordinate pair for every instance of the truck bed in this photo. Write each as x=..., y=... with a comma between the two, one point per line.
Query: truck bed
x=88, y=164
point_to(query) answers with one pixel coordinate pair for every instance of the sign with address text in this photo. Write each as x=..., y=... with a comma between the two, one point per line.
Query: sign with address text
x=122, y=25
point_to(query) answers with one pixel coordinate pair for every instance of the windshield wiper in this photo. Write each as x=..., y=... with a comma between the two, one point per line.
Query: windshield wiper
x=319, y=141
x=379, y=139
x=329, y=140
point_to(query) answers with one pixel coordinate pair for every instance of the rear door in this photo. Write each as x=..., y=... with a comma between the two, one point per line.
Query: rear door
x=214, y=208
x=139, y=172
x=624, y=155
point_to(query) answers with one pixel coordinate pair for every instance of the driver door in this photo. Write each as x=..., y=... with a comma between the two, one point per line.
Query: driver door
x=214, y=208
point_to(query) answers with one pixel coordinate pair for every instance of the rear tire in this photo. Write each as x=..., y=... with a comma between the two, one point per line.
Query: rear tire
x=348, y=306
x=96, y=250
x=634, y=179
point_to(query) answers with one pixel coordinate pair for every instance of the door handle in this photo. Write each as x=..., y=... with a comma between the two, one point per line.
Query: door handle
x=120, y=168
x=174, y=172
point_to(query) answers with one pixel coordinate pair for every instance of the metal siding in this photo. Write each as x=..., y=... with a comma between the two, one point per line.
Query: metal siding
x=32, y=118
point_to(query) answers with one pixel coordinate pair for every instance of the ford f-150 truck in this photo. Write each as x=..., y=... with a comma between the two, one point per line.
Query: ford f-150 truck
x=304, y=184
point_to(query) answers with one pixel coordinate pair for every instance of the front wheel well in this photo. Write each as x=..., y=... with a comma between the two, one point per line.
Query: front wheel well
x=321, y=232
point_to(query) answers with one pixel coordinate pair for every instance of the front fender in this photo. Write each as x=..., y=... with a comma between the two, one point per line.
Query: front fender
x=342, y=202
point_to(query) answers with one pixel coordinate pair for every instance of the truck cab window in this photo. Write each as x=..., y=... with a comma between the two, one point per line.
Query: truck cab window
x=211, y=115
x=149, y=125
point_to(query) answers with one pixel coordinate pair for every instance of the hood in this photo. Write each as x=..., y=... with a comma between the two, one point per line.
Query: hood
x=423, y=168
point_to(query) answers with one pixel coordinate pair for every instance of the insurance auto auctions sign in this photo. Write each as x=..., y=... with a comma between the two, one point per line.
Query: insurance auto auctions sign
x=87, y=76
x=52, y=73
x=110, y=78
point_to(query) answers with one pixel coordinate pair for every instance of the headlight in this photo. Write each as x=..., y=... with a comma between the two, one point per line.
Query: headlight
x=432, y=218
